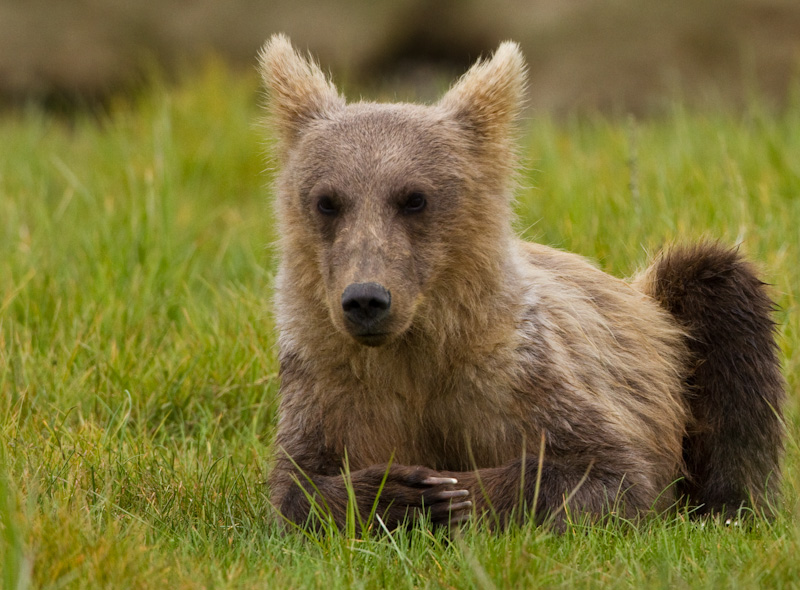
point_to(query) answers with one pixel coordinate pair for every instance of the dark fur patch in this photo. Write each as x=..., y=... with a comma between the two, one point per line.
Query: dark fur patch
x=733, y=447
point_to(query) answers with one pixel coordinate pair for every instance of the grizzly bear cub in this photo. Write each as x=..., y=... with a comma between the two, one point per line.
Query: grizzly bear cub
x=433, y=364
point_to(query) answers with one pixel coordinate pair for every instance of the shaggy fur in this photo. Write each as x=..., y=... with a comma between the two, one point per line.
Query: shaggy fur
x=734, y=388
x=456, y=369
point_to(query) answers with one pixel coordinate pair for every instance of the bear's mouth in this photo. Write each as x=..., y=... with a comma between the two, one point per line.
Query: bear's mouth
x=371, y=339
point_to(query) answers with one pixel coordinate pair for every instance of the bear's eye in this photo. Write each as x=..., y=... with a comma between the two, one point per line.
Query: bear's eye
x=327, y=206
x=414, y=203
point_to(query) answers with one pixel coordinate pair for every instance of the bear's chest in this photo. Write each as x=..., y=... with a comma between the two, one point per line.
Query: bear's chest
x=456, y=428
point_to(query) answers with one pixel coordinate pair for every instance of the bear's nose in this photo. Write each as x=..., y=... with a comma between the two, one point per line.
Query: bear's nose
x=366, y=304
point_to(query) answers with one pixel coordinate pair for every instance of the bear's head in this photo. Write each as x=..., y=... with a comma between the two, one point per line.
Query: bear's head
x=385, y=209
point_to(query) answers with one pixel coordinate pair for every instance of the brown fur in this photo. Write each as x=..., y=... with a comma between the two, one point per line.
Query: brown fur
x=474, y=348
x=735, y=440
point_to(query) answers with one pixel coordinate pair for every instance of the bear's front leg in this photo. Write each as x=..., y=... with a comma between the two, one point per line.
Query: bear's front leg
x=397, y=494
x=556, y=491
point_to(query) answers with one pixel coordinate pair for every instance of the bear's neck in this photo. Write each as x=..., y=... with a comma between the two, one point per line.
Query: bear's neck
x=473, y=310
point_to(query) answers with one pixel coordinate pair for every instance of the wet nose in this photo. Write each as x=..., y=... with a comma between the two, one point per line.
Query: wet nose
x=366, y=304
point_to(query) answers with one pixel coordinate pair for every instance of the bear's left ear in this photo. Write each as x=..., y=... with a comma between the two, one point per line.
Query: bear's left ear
x=489, y=96
x=297, y=89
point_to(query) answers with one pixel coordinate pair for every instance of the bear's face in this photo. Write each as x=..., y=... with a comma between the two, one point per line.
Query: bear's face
x=379, y=188
x=385, y=206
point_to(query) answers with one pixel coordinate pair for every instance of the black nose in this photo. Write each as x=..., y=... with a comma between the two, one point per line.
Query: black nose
x=366, y=304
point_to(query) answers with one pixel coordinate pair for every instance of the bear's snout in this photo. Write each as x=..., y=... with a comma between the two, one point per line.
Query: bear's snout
x=366, y=307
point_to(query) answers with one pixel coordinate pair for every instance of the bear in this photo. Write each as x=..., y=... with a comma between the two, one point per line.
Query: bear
x=436, y=368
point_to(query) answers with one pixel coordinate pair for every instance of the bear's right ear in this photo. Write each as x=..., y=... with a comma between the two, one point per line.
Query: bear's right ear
x=298, y=92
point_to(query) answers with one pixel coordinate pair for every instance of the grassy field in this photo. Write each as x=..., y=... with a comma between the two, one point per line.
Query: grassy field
x=138, y=373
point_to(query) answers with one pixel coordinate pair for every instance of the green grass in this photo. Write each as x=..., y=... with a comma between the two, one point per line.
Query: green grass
x=138, y=372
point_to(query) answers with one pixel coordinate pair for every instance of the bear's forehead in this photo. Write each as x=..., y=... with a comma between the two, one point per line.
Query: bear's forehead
x=378, y=142
x=371, y=126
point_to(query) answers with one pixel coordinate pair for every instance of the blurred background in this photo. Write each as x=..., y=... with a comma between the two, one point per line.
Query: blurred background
x=585, y=55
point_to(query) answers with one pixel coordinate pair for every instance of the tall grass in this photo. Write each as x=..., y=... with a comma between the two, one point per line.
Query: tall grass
x=138, y=372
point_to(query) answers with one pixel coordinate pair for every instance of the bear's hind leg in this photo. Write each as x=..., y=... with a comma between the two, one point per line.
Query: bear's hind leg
x=735, y=388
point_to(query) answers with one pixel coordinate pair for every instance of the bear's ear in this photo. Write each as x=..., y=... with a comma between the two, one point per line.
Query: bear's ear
x=298, y=92
x=488, y=97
